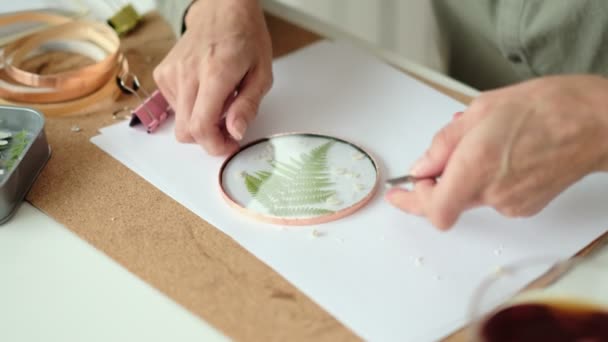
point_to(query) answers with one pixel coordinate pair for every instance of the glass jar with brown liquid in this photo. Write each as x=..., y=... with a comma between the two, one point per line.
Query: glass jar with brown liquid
x=568, y=303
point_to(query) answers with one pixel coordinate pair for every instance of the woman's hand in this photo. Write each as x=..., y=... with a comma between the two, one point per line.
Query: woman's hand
x=514, y=149
x=217, y=73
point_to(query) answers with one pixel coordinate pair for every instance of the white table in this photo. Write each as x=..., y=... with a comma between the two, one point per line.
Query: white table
x=56, y=287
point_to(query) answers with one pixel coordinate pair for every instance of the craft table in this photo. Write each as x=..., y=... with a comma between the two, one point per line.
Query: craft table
x=160, y=241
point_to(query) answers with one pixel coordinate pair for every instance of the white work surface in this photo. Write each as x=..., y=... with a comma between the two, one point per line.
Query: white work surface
x=363, y=269
x=56, y=287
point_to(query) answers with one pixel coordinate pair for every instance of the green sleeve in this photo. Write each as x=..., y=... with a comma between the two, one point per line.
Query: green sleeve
x=493, y=43
x=173, y=11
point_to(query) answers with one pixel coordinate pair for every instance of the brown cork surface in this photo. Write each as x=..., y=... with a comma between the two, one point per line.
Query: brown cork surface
x=159, y=240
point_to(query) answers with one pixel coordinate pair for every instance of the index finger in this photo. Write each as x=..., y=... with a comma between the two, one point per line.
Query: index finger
x=457, y=190
x=207, y=113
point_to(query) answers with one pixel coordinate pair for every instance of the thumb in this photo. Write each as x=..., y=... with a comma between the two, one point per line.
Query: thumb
x=244, y=107
x=434, y=160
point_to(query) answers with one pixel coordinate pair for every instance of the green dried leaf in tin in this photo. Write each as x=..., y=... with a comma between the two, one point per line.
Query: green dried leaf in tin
x=17, y=147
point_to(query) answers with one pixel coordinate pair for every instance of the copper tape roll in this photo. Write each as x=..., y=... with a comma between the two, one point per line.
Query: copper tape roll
x=99, y=34
x=66, y=85
x=34, y=17
x=91, y=102
x=43, y=19
x=63, y=93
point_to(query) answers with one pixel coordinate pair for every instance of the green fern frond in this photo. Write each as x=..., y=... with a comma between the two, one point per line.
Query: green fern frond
x=263, y=175
x=310, y=184
x=301, y=199
x=294, y=187
x=300, y=211
x=308, y=192
x=285, y=168
x=299, y=164
x=321, y=151
x=253, y=183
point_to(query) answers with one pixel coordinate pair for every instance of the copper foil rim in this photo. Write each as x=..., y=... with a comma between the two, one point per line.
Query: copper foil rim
x=298, y=221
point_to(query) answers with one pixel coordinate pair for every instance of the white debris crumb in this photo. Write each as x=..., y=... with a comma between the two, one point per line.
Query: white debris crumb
x=340, y=171
x=240, y=175
x=359, y=187
x=113, y=219
x=264, y=156
x=1, y=172
x=76, y=128
x=334, y=200
x=382, y=238
x=499, y=250
x=352, y=175
x=498, y=270
x=316, y=233
x=358, y=156
x=418, y=261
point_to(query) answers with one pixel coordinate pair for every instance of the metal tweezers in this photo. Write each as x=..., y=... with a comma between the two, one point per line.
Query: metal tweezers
x=407, y=179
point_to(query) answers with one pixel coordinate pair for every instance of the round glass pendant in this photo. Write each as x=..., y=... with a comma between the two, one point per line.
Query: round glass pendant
x=299, y=179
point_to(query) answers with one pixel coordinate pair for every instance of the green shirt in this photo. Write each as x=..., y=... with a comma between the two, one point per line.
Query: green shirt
x=492, y=43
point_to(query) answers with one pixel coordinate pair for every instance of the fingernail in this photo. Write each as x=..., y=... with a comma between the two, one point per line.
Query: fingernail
x=240, y=126
x=457, y=115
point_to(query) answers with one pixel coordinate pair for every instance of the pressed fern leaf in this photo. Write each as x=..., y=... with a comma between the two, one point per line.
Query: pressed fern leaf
x=253, y=182
x=294, y=188
x=301, y=211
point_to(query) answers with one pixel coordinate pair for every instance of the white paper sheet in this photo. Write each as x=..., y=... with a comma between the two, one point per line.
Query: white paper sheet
x=363, y=270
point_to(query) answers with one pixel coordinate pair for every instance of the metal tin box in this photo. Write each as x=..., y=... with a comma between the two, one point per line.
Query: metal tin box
x=19, y=170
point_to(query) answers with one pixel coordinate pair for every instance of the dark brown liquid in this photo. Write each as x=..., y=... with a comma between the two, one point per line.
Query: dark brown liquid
x=547, y=322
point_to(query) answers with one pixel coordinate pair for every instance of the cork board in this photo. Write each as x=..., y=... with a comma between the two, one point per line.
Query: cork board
x=156, y=238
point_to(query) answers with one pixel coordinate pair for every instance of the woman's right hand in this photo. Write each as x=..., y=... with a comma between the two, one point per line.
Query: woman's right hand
x=217, y=73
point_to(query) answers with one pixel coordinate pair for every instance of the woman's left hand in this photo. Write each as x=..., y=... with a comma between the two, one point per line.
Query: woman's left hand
x=514, y=149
